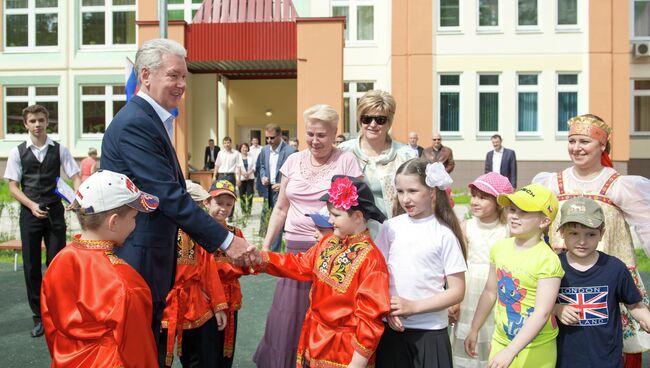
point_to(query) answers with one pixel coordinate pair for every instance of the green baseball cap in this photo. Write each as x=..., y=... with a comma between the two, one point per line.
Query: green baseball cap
x=582, y=210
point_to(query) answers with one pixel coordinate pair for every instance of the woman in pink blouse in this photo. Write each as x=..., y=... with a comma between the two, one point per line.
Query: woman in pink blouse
x=306, y=176
x=89, y=164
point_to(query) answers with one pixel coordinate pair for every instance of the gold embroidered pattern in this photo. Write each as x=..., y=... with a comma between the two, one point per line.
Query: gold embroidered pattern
x=93, y=244
x=367, y=353
x=115, y=260
x=185, y=247
x=337, y=264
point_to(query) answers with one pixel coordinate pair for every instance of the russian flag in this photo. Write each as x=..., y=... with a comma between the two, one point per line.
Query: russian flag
x=131, y=83
x=130, y=80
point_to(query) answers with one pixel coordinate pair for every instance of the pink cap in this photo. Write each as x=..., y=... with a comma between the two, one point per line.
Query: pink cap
x=492, y=183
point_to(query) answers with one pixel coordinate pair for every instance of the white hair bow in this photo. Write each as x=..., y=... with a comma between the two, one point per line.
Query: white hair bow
x=437, y=176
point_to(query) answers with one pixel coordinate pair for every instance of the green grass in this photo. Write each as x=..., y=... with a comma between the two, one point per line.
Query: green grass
x=642, y=261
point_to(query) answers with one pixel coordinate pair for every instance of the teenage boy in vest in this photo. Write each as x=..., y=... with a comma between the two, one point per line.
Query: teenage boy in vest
x=32, y=169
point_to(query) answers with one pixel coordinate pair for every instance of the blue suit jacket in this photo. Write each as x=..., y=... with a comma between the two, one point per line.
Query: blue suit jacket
x=284, y=152
x=508, y=165
x=137, y=145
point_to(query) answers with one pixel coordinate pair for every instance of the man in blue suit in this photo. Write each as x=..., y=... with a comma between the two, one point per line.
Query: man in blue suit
x=138, y=144
x=271, y=159
x=501, y=160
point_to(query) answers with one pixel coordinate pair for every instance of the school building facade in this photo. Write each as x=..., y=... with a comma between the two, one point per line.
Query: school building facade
x=468, y=69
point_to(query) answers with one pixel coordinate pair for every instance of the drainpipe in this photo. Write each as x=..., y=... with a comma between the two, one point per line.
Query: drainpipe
x=162, y=16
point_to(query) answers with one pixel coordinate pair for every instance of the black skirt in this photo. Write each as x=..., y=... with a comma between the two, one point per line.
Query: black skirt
x=414, y=348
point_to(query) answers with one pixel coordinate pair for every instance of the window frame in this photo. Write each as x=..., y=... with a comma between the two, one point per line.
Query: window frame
x=450, y=29
x=488, y=89
x=536, y=28
x=353, y=95
x=450, y=89
x=565, y=88
x=633, y=37
x=187, y=7
x=567, y=27
x=108, y=98
x=488, y=29
x=31, y=11
x=31, y=100
x=527, y=89
x=108, y=9
x=353, y=19
x=634, y=93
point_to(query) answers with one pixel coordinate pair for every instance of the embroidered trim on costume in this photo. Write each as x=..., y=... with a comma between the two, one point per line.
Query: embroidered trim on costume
x=185, y=247
x=367, y=353
x=337, y=264
x=189, y=325
x=115, y=260
x=93, y=244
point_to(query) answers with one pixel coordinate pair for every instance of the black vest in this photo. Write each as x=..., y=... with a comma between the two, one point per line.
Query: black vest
x=39, y=178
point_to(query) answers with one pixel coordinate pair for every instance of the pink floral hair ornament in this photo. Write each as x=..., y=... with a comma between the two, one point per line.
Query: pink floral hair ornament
x=343, y=194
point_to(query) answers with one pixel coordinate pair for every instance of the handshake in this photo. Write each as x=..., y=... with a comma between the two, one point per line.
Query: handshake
x=242, y=253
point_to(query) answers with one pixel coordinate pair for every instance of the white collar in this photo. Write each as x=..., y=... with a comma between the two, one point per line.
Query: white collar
x=29, y=143
x=162, y=113
x=500, y=151
x=277, y=150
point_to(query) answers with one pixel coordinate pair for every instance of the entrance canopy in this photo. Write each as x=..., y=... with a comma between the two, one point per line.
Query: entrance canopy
x=254, y=39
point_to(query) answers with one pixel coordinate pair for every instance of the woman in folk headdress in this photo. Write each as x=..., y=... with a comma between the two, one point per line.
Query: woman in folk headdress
x=625, y=200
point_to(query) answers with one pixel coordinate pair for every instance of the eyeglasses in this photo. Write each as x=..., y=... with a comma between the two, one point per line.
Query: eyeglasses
x=270, y=138
x=379, y=119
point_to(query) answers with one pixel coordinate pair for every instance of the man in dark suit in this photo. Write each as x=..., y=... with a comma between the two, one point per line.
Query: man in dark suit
x=271, y=159
x=413, y=144
x=211, y=152
x=502, y=161
x=138, y=144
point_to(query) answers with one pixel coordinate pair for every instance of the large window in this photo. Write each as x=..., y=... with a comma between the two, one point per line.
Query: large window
x=182, y=9
x=31, y=23
x=449, y=89
x=16, y=98
x=359, y=18
x=99, y=103
x=488, y=14
x=641, y=102
x=449, y=14
x=641, y=21
x=567, y=100
x=527, y=103
x=352, y=91
x=107, y=22
x=567, y=13
x=527, y=13
x=488, y=103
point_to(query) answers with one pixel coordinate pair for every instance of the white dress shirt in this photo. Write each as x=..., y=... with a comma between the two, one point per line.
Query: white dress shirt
x=274, y=156
x=228, y=162
x=165, y=116
x=14, y=169
x=496, y=161
x=254, y=152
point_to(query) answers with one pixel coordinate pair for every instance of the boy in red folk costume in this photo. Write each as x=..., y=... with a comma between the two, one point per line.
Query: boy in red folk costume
x=220, y=205
x=96, y=308
x=194, y=312
x=349, y=292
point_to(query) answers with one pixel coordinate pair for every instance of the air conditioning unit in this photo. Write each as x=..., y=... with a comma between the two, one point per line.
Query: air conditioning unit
x=642, y=49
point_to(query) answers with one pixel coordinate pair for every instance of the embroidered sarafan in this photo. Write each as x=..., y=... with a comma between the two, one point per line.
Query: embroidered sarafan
x=337, y=264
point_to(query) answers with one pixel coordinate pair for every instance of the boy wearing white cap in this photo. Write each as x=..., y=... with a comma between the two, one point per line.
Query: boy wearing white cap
x=95, y=307
x=194, y=308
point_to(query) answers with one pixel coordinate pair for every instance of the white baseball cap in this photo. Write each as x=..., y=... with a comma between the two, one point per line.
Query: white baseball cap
x=196, y=191
x=106, y=190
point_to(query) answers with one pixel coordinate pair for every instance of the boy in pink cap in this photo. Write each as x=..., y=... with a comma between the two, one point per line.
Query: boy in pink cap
x=486, y=226
x=96, y=308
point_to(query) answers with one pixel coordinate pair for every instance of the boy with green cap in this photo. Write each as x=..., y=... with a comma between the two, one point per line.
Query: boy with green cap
x=593, y=285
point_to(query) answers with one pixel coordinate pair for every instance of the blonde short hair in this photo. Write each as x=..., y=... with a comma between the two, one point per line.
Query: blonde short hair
x=323, y=113
x=377, y=100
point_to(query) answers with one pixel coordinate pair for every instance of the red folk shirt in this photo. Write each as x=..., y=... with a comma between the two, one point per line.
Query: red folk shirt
x=96, y=309
x=196, y=296
x=349, y=296
x=229, y=275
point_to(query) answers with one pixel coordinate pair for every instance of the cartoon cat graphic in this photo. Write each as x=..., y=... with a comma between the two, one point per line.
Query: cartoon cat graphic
x=510, y=296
